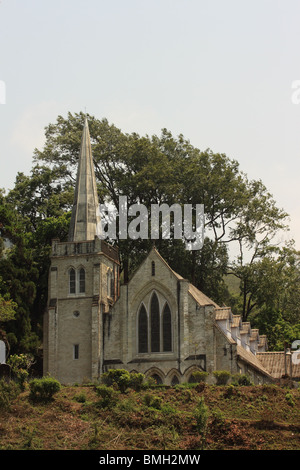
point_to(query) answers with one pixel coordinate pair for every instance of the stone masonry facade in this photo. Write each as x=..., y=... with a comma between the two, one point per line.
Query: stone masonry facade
x=158, y=323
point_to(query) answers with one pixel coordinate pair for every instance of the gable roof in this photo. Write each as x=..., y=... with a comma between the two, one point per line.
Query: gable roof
x=243, y=354
x=223, y=313
x=197, y=295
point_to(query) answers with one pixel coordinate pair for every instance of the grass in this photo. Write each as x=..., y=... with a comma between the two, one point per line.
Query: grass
x=265, y=417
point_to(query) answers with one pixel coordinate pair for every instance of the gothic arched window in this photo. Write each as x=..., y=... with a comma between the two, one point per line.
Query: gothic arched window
x=154, y=327
x=81, y=281
x=72, y=281
x=108, y=281
x=155, y=324
x=167, y=333
x=143, y=330
x=112, y=285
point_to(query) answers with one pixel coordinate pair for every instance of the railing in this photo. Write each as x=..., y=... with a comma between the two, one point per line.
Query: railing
x=83, y=248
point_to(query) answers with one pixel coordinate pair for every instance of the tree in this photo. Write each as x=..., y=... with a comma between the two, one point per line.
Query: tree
x=271, y=293
x=157, y=169
x=19, y=279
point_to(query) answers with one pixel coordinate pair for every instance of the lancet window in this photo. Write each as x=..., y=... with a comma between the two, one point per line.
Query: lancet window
x=154, y=327
x=76, y=281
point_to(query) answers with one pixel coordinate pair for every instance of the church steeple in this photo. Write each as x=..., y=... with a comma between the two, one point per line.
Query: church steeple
x=85, y=213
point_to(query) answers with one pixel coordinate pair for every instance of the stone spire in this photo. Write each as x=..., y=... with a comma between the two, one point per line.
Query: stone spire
x=85, y=213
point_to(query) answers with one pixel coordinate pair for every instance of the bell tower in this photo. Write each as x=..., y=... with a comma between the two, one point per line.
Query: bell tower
x=83, y=284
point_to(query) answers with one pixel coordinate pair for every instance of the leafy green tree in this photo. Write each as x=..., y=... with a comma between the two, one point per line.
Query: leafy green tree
x=157, y=169
x=19, y=278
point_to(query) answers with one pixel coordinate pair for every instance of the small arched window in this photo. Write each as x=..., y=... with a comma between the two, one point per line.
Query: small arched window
x=153, y=268
x=72, y=281
x=81, y=281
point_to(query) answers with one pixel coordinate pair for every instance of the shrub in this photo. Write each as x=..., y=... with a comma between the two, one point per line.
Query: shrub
x=289, y=399
x=241, y=379
x=80, y=397
x=152, y=401
x=222, y=376
x=8, y=392
x=148, y=383
x=199, y=376
x=136, y=381
x=108, y=396
x=123, y=379
x=201, y=415
x=120, y=377
x=231, y=391
x=20, y=364
x=43, y=389
x=218, y=421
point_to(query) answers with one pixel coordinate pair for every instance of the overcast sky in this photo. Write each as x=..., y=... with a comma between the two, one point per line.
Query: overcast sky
x=219, y=72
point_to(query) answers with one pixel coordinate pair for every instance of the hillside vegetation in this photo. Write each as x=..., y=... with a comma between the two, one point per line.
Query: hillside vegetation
x=183, y=417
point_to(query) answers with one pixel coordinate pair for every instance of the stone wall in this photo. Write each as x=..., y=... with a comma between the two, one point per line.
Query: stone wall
x=73, y=324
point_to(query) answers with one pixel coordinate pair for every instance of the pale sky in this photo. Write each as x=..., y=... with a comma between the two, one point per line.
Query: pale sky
x=219, y=72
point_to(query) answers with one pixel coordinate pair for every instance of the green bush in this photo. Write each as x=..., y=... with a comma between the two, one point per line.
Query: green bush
x=222, y=376
x=201, y=415
x=241, y=379
x=148, y=383
x=152, y=401
x=8, y=392
x=136, y=381
x=230, y=391
x=80, y=397
x=218, y=421
x=199, y=376
x=43, y=389
x=108, y=396
x=120, y=377
x=123, y=379
x=20, y=364
x=289, y=399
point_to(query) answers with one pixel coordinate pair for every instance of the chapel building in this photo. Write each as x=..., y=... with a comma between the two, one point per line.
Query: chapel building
x=158, y=323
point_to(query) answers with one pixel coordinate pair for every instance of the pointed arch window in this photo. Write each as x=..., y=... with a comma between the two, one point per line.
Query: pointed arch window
x=108, y=283
x=167, y=331
x=112, y=285
x=72, y=281
x=155, y=324
x=81, y=281
x=154, y=327
x=143, y=330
